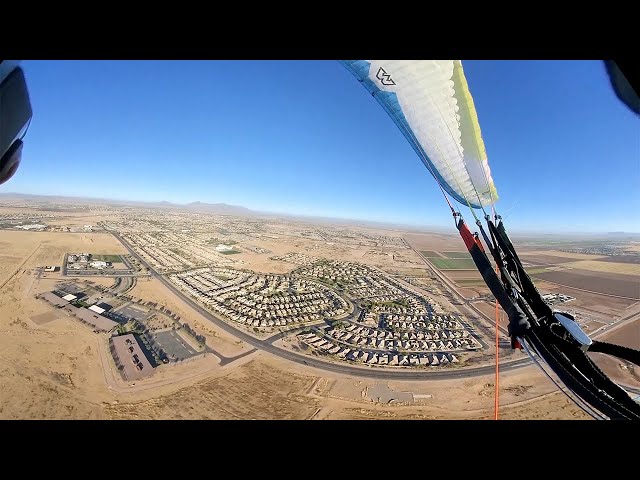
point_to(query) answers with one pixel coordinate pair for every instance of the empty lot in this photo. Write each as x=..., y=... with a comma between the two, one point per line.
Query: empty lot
x=601, y=282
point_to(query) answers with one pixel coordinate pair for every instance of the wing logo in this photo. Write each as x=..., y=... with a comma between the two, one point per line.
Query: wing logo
x=384, y=77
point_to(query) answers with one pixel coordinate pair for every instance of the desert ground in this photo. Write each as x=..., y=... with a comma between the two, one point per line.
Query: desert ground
x=154, y=291
x=54, y=367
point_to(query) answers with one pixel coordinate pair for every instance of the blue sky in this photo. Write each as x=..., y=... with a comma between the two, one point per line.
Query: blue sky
x=304, y=137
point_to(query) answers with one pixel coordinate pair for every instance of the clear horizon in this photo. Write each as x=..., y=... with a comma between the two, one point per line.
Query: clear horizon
x=303, y=138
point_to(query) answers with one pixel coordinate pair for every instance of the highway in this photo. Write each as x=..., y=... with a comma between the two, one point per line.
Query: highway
x=302, y=359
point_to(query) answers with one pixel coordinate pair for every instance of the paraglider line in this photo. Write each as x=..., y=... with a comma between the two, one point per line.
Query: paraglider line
x=497, y=395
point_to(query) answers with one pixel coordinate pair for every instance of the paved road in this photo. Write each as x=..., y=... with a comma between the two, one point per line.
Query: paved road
x=452, y=288
x=616, y=324
x=346, y=369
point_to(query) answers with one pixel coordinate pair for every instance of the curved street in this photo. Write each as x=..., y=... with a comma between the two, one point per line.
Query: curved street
x=302, y=359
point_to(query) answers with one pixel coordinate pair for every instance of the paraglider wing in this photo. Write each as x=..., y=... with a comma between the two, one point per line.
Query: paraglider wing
x=430, y=102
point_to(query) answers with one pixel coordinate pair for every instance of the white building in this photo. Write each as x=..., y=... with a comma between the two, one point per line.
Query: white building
x=98, y=264
x=34, y=226
x=97, y=309
x=224, y=248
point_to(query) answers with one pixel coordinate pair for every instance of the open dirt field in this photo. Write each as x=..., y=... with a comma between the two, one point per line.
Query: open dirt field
x=602, y=282
x=610, y=306
x=56, y=373
x=13, y=257
x=43, y=318
x=153, y=290
x=434, y=241
x=298, y=394
x=621, y=372
x=104, y=281
x=540, y=259
x=422, y=271
x=50, y=367
x=630, y=269
x=622, y=259
x=561, y=255
x=468, y=279
x=627, y=335
x=390, y=258
x=490, y=311
x=470, y=282
x=53, y=246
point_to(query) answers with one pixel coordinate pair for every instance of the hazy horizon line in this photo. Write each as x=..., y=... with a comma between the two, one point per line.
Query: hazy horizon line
x=387, y=223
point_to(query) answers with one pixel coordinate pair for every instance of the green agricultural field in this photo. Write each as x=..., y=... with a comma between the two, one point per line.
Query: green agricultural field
x=107, y=258
x=532, y=271
x=453, y=263
x=430, y=253
x=456, y=254
x=230, y=252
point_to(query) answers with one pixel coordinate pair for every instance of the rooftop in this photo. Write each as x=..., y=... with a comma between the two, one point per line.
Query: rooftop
x=130, y=356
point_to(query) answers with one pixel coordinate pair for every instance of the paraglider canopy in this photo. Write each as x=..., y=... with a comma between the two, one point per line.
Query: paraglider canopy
x=430, y=102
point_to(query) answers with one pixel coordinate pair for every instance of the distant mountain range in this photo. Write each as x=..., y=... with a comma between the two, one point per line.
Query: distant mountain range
x=238, y=210
x=224, y=209
x=219, y=208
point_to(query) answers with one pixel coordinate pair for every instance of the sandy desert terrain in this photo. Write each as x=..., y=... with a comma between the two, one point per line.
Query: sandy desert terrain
x=55, y=367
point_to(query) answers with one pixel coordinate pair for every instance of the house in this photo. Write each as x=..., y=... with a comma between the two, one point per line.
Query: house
x=344, y=352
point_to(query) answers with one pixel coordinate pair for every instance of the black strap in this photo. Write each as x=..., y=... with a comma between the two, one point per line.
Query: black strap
x=570, y=363
x=529, y=291
x=619, y=351
x=531, y=318
x=582, y=376
x=518, y=322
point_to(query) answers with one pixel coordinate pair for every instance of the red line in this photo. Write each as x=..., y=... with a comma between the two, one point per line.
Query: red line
x=497, y=394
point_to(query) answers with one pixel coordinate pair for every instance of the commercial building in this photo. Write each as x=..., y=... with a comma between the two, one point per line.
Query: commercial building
x=54, y=299
x=130, y=358
x=97, y=309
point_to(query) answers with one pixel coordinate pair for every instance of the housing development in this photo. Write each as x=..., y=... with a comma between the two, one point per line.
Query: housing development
x=168, y=293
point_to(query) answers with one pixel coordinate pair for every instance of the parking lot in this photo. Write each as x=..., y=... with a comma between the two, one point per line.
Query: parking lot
x=134, y=312
x=174, y=346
